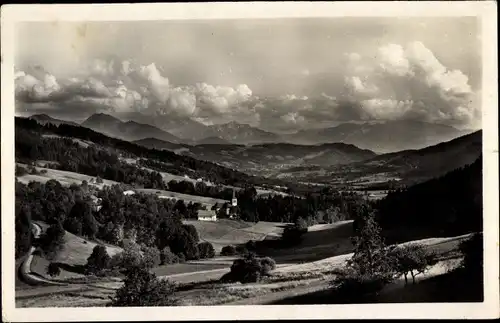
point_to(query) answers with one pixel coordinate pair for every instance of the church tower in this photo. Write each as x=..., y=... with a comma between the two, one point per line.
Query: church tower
x=234, y=201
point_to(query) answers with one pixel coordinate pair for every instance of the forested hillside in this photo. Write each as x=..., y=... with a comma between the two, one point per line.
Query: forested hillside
x=447, y=205
x=30, y=145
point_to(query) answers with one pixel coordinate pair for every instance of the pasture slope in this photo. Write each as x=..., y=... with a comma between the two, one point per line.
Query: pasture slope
x=71, y=258
x=225, y=232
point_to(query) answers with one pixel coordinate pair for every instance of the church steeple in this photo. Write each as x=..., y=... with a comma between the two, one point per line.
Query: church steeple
x=234, y=201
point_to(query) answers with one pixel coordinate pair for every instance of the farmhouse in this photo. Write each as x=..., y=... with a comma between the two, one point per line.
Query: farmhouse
x=205, y=215
x=96, y=203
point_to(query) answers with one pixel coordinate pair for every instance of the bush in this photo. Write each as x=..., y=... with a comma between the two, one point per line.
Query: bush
x=20, y=171
x=292, y=235
x=98, y=261
x=150, y=256
x=206, y=250
x=53, y=270
x=228, y=251
x=241, y=250
x=251, y=245
x=267, y=265
x=249, y=269
x=142, y=288
x=168, y=257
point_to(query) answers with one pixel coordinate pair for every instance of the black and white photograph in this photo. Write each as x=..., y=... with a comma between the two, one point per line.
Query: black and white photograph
x=243, y=159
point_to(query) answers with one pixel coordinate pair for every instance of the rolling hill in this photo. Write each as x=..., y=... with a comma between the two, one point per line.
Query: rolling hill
x=213, y=141
x=407, y=167
x=265, y=159
x=129, y=130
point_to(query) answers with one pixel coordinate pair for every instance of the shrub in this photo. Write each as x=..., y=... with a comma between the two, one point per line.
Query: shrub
x=249, y=269
x=267, y=264
x=242, y=250
x=131, y=256
x=168, y=257
x=228, y=251
x=142, y=288
x=292, y=235
x=53, y=270
x=150, y=256
x=98, y=261
x=251, y=245
x=20, y=171
x=206, y=250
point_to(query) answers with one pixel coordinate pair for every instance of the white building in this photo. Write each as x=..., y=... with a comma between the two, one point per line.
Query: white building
x=206, y=215
x=129, y=192
x=96, y=203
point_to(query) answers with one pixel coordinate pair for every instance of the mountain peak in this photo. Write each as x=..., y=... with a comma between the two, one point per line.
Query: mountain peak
x=101, y=117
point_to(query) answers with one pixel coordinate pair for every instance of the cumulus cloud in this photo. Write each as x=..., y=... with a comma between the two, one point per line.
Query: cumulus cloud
x=394, y=82
x=126, y=86
x=409, y=82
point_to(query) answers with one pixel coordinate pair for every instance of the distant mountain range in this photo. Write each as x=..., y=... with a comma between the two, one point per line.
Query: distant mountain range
x=43, y=119
x=129, y=130
x=380, y=137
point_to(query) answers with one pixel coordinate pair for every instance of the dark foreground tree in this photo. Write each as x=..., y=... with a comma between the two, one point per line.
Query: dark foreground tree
x=23, y=230
x=52, y=241
x=142, y=288
x=472, y=265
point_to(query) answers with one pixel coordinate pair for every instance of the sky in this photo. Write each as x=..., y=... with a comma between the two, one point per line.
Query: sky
x=276, y=74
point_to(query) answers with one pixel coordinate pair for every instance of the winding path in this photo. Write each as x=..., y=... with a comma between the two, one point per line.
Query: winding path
x=25, y=271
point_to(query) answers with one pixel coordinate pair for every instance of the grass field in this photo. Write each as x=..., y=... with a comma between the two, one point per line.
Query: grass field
x=229, y=232
x=207, y=201
x=64, y=177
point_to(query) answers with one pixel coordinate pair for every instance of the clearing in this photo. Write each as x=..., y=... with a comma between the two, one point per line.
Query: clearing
x=225, y=232
x=64, y=177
